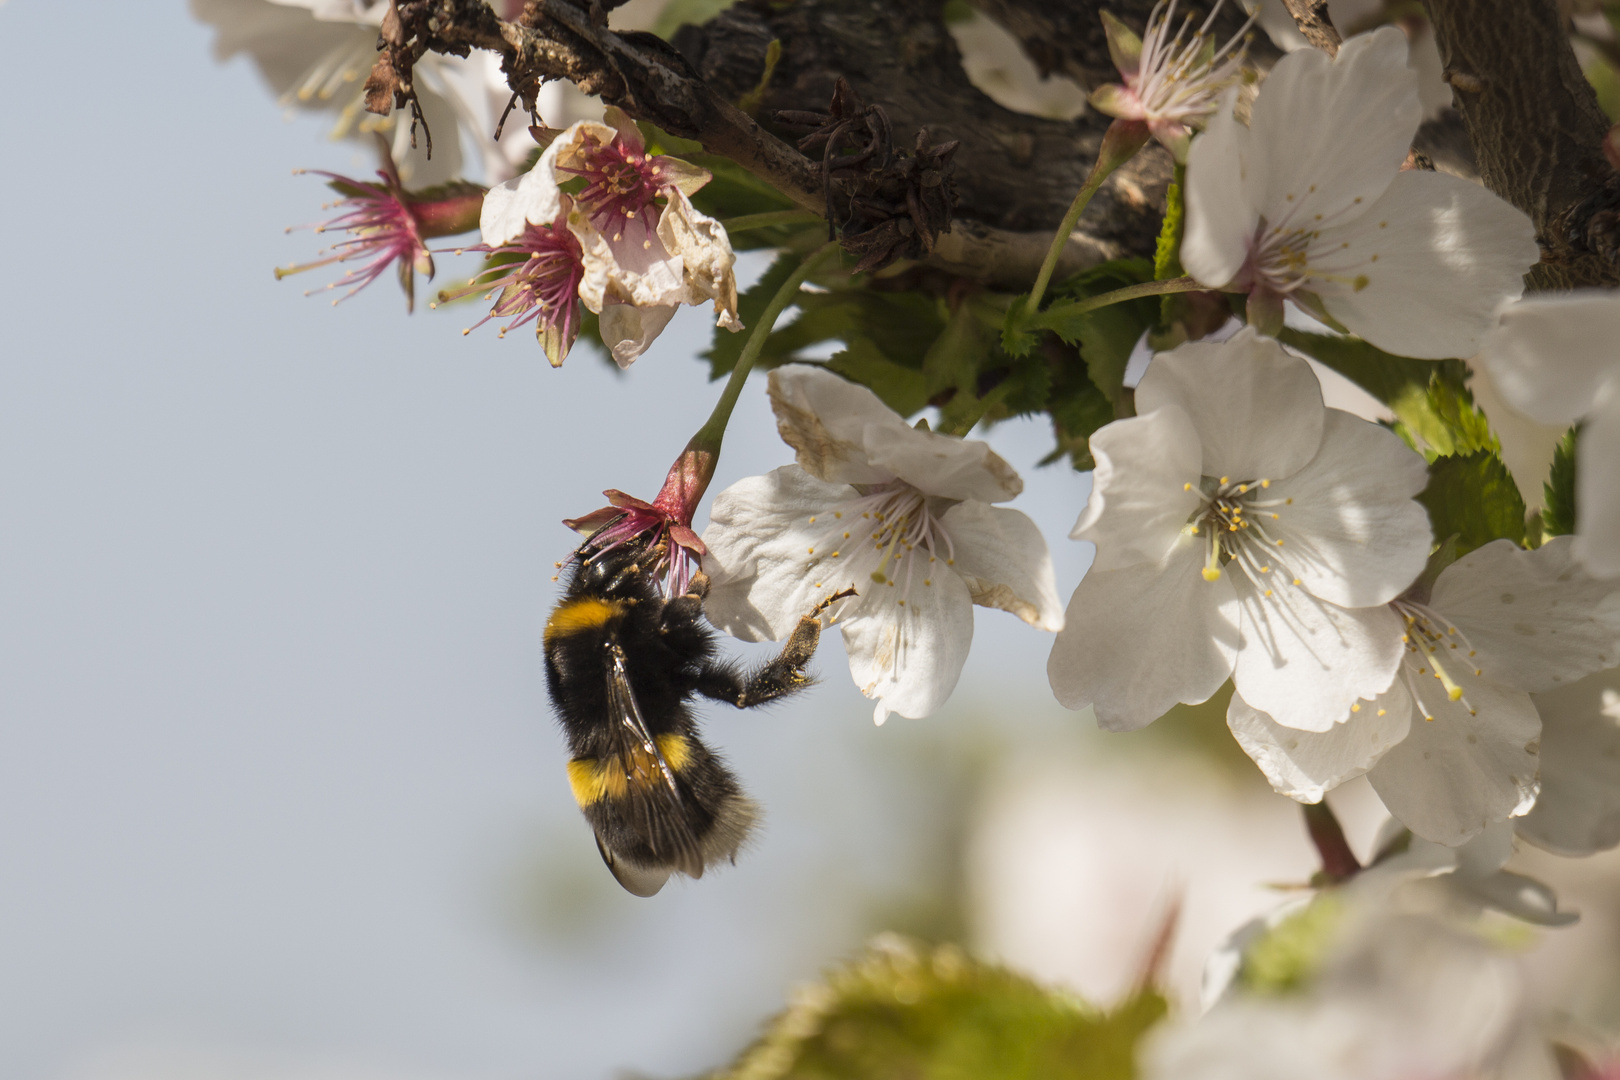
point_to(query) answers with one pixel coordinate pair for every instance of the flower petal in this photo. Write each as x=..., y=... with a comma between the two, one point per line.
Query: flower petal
x=1552, y=356
x=1352, y=534
x=632, y=266
x=1221, y=210
x=1257, y=408
x=844, y=433
x=1144, y=489
x=1597, y=488
x=909, y=653
x=1460, y=772
x=1305, y=765
x=1137, y=641
x=1305, y=661
x=1424, y=271
x=1536, y=619
x=1328, y=135
x=531, y=199
x=705, y=251
x=1578, y=811
x=628, y=331
x=1001, y=556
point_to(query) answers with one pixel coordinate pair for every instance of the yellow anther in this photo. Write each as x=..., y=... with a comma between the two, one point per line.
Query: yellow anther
x=1212, y=573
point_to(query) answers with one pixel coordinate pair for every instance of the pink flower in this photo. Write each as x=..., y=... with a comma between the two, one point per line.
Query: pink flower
x=388, y=226
x=537, y=276
x=664, y=525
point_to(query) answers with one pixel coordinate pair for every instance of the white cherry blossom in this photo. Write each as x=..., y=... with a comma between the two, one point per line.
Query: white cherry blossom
x=1557, y=360
x=1243, y=530
x=1309, y=203
x=1455, y=744
x=316, y=54
x=1578, y=811
x=902, y=516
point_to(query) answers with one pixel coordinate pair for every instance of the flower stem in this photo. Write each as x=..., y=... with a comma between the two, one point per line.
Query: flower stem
x=1123, y=139
x=709, y=435
x=772, y=217
x=1338, y=861
x=1118, y=296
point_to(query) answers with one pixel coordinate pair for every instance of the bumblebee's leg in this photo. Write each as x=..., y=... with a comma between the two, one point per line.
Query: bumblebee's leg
x=778, y=677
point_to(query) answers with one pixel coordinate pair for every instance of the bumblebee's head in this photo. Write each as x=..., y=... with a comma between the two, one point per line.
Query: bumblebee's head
x=620, y=572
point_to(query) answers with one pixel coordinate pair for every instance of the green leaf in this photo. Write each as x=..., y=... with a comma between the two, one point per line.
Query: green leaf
x=1448, y=422
x=1558, y=516
x=1105, y=338
x=953, y=361
x=1473, y=497
x=903, y=1009
x=1105, y=277
x=901, y=388
x=1019, y=331
x=727, y=347
x=678, y=13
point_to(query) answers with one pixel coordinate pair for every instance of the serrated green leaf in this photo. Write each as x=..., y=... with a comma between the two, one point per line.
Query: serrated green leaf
x=1105, y=337
x=1018, y=330
x=903, y=1009
x=1451, y=423
x=901, y=388
x=1473, y=497
x=1105, y=277
x=1558, y=516
x=953, y=361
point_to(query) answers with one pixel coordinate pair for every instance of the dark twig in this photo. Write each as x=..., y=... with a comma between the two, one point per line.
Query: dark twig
x=1339, y=863
x=1311, y=16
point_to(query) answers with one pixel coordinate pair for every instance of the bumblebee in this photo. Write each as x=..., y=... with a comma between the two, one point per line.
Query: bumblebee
x=622, y=665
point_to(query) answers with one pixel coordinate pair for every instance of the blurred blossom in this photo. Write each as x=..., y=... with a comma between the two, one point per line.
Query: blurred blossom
x=316, y=54
x=1453, y=745
x=1309, y=203
x=903, y=517
x=642, y=258
x=1245, y=531
x=1386, y=996
x=1554, y=358
x=1173, y=79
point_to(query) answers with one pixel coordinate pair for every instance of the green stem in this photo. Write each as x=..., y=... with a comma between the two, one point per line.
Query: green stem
x=1119, y=296
x=1122, y=140
x=773, y=217
x=709, y=435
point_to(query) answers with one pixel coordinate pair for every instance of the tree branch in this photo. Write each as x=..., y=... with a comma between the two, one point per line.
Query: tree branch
x=1536, y=129
x=1311, y=16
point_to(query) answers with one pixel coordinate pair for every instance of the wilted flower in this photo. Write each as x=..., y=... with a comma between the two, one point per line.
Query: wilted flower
x=1453, y=745
x=388, y=226
x=1172, y=84
x=1556, y=359
x=1309, y=203
x=1242, y=530
x=899, y=515
x=642, y=257
x=533, y=278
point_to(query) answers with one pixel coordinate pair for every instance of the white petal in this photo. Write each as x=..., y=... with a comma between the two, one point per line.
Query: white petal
x=1597, y=489
x=630, y=267
x=1256, y=407
x=628, y=331
x=1144, y=488
x=705, y=251
x=1137, y=641
x=825, y=418
x=1578, y=811
x=1221, y=211
x=758, y=564
x=1001, y=557
x=908, y=654
x=1328, y=135
x=1551, y=356
x=530, y=199
x=1458, y=773
x=1353, y=534
x=844, y=433
x=1423, y=272
x=1305, y=765
x=1306, y=661
x=1536, y=619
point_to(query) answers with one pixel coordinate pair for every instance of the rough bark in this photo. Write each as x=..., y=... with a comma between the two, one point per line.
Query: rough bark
x=1536, y=129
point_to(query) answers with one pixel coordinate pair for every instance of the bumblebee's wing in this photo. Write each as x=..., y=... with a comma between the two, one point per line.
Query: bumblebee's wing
x=652, y=798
